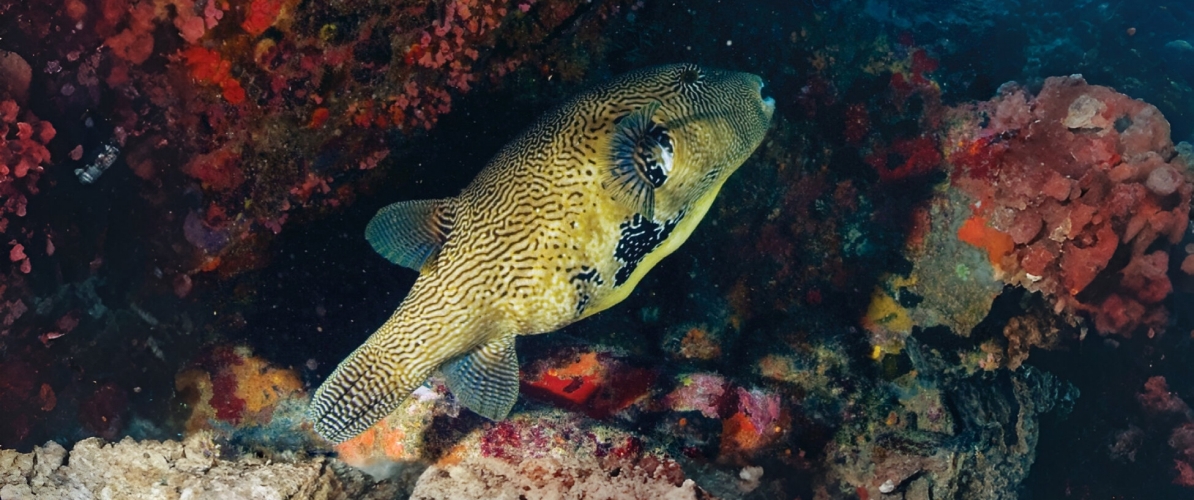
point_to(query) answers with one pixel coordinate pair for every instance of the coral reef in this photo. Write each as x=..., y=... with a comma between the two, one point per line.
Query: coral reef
x=231, y=385
x=188, y=135
x=1166, y=409
x=401, y=437
x=1077, y=195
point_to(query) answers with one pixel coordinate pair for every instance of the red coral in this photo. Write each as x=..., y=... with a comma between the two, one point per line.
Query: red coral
x=574, y=383
x=17, y=381
x=501, y=441
x=922, y=63
x=596, y=383
x=757, y=423
x=1157, y=399
x=208, y=66
x=318, y=117
x=217, y=170
x=228, y=406
x=224, y=400
x=914, y=81
x=976, y=232
x=261, y=15
x=920, y=156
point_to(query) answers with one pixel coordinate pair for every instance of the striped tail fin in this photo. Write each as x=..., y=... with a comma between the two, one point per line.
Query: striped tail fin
x=371, y=383
x=366, y=387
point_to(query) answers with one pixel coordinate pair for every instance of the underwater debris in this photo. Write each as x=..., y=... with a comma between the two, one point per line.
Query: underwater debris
x=107, y=156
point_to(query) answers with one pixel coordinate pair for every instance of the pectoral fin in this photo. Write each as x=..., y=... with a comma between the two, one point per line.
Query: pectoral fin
x=641, y=158
x=409, y=233
x=486, y=379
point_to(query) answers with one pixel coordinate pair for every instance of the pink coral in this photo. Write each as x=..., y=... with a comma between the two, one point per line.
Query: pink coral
x=22, y=154
x=757, y=423
x=1157, y=399
x=135, y=43
x=1166, y=406
x=703, y=392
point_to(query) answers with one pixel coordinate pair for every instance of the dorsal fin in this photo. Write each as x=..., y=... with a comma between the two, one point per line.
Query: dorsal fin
x=409, y=233
x=640, y=159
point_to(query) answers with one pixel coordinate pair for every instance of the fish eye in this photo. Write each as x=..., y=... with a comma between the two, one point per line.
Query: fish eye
x=689, y=76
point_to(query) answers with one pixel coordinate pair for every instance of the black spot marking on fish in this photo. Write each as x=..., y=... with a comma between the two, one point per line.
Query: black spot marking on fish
x=585, y=281
x=640, y=236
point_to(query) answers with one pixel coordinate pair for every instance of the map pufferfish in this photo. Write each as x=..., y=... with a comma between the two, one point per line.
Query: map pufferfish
x=561, y=224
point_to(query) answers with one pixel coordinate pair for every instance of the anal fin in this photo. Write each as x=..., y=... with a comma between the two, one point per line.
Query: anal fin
x=486, y=379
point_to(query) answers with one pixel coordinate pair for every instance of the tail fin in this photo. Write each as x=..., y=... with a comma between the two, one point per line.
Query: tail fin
x=366, y=387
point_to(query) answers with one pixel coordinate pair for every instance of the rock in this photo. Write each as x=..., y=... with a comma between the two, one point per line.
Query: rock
x=15, y=75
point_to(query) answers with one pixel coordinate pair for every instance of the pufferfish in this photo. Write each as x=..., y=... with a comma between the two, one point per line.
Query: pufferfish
x=561, y=224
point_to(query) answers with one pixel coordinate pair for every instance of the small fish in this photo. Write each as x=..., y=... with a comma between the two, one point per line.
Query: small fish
x=560, y=225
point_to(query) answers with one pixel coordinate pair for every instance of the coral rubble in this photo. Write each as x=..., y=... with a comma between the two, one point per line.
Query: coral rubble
x=170, y=470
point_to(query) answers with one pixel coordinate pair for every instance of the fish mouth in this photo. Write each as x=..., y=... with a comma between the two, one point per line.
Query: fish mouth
x=768, y=101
